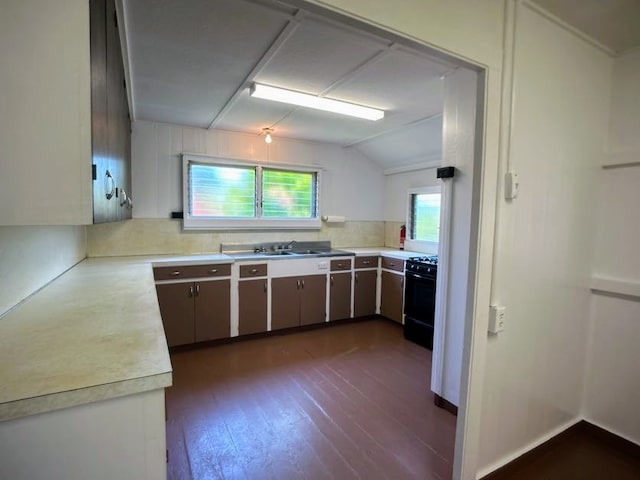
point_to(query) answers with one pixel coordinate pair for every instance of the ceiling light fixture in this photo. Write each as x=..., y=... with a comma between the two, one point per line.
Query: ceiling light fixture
x=311, y=101
x=267, y=135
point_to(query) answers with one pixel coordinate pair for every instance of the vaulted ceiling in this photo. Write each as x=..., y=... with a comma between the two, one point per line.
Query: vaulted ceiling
x=193, y=61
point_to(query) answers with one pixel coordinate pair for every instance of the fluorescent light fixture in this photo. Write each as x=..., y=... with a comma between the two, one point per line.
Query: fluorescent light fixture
x=311, y=101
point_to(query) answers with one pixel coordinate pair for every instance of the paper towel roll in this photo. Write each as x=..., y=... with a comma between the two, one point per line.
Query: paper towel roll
x=333, y=218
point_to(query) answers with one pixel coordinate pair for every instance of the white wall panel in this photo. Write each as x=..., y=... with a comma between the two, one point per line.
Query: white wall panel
x=612, y=383
x=534, y=369
x=352, y=185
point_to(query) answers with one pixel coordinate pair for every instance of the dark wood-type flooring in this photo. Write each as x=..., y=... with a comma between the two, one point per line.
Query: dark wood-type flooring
x=583, y=452
x=347, y=401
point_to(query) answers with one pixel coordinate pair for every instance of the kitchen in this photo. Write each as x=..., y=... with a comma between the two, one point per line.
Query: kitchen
x=73, y=236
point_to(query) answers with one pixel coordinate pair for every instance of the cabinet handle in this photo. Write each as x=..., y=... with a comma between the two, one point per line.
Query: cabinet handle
x=356, y=277
x=366, y=262
x=391, y=264
x=175, y=273
x=340, y=265
x=265, y=286
x=213, y=271
x=302, y=283
x=298, y=284
x=197, y=289
x=191, y=291
x=332, y=280
x=254, y=270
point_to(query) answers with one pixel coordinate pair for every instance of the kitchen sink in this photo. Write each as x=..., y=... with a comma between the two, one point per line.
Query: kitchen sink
x=276, y=254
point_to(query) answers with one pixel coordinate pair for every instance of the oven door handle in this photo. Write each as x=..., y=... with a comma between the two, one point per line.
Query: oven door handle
x=419, y=276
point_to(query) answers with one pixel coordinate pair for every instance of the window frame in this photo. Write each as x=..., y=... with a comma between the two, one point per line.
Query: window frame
x=191, y=222
x=423, y=246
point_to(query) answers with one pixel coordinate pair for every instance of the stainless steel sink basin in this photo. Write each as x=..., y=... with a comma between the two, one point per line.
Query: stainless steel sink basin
x=276, y=254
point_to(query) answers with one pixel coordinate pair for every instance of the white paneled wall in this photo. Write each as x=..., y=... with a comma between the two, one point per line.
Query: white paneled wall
x=534, y=369
x=612, y=390
x=352, y=186
x=30, y=257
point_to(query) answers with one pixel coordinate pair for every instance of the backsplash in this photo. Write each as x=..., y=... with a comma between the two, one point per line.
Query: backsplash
x=30, y=257
x=164, y=236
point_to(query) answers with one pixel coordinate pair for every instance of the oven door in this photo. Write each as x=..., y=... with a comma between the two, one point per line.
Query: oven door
x=420, y=297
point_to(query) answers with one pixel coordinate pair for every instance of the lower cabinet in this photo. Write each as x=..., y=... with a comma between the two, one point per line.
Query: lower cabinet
x=364, y=293
x=340, y=296
x=252, y=311
x=391, y=296
x=297, y=301
x=195, y=311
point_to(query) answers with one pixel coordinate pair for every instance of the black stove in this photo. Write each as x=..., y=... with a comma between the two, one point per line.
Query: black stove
x=428, y=264
x=420, y=299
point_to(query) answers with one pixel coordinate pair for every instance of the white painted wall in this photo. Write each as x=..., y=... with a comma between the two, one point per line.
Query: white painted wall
x=396, y=187
x=352, y=186
x=612, y=383
x=30, y=257
x=534, y=369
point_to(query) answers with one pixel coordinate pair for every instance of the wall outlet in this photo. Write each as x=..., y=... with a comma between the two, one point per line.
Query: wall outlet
x=323, y=265
x=496, y=318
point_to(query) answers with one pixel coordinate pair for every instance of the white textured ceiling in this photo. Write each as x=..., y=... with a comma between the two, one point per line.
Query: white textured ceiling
x=192, y=62
x=613, y=23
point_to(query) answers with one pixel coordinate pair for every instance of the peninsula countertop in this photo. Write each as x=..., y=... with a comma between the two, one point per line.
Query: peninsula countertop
x=93, y=333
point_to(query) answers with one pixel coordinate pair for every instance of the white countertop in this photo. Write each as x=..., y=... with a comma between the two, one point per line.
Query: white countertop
x=384, y=251
x=93, y=333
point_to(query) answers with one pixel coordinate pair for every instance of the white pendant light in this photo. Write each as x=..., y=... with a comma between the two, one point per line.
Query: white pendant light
x=267, y=135
x=311, y=101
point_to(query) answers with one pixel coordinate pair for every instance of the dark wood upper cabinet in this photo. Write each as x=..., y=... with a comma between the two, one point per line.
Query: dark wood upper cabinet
x=110, y=119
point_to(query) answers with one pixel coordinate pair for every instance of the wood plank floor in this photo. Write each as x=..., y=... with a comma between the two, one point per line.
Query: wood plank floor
x=348, y=401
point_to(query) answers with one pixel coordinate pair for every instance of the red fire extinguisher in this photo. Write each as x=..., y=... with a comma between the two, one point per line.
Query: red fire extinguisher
x=403, y=235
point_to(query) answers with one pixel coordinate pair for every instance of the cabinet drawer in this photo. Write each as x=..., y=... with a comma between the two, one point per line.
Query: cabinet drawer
x=341, y=264
x=258, y=270
x=191, y=271
x=366, y=262
x=393, y=264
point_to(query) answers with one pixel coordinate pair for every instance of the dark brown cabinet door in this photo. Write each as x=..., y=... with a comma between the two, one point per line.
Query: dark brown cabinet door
x=339, y=296
x=176, y=308
x=212, y=310
x=253, y=306
x=313, y=299
x=364, y=295
x=110, y=120
x=391, y=296
x=285, y=303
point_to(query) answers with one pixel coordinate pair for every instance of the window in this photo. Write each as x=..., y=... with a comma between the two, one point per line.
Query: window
x=423, y=224
x=231, y=195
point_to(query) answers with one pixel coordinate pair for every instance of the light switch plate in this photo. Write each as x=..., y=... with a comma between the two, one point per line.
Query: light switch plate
x=323, y=265
x=511, y=185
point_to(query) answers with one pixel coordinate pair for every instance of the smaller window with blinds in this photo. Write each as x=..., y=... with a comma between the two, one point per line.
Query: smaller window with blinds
x=423, y=214
x=223, y=194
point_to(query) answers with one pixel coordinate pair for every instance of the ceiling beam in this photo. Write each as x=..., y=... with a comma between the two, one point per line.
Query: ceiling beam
x=284, y=35
x=392, y=130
